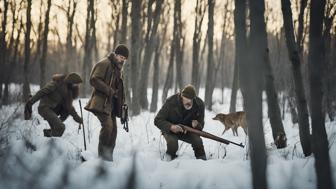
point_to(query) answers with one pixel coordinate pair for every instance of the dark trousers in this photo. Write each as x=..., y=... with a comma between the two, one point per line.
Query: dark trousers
x=56, y=125
x=195, y=141
x=107, y=136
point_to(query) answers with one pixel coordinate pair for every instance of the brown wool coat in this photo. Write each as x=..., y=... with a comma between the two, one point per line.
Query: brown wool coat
x=56, y=96
x=108, y=90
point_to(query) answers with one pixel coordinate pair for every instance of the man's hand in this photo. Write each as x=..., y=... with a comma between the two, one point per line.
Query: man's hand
x=177, y=129
x=195, y=124
x=28, y=111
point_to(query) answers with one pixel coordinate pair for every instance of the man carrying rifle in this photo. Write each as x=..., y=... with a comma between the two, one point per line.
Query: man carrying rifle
x=182, y=108
x=108, y=98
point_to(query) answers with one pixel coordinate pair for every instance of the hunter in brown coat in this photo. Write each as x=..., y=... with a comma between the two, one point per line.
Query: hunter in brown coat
x=56, y=100
x=107, y=98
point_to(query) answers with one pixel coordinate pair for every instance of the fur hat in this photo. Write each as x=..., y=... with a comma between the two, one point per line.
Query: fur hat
x=189, y=92
x=122, y=50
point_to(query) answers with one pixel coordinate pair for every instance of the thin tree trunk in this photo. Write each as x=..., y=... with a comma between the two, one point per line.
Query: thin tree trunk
x=315, y=66
x=44, y=46
x=299, y=89
x=197, y=36
x=253, y=84
x=70, y=50
x=26, y=87
x=169, y=77
x=148, y=54
x=135, y=54
x=3, y=46
x=178, y=45
x=210, y=63
x=155, y=88
x=274, y=114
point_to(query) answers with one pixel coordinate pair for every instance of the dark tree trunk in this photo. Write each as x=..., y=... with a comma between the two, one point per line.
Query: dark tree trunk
x=210, y=63
x=155, y=88
x=89, y=44
x=253, y=73
x=123, y=40
x=169, y=77
x=44, y=46
x=179, y=42
x=135, y=54
x=149, y=49
x=70, y=49
x=200, y=12
x=240, y=38
x=299, y=89
x=3, y=46
x=316, y=67
x=273, y=106
x=26, y=87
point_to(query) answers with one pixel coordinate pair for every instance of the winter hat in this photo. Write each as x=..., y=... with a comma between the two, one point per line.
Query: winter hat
x=122, y=50
x=73, y=78
x=189, y=92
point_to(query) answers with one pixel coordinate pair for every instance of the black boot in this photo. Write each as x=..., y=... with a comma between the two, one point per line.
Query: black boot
x=47, y=132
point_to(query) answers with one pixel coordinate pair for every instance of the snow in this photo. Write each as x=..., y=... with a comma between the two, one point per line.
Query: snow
x=56, y=163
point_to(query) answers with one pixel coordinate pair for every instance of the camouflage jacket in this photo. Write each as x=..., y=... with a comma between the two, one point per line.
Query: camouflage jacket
x=173, y=112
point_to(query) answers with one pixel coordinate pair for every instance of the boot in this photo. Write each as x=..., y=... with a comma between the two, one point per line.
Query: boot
x=202, y=157
x=47, y=132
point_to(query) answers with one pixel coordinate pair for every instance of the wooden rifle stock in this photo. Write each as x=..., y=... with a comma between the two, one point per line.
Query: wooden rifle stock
x=208, y=135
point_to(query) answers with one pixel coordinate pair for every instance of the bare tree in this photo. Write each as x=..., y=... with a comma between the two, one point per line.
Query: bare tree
x=252, y=84
x=135, y=54
x=70, y=49
x=26, y=87
x=299, y=89
x=89, y=43
x=148, y=53
x=197, y=36
x=210, y=64
x=3, y=45
x=44, y=46
x=319, y=135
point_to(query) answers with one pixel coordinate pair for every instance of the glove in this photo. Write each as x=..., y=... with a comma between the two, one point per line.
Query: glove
x=28, y=111
x=79, y=120
x=177, y=129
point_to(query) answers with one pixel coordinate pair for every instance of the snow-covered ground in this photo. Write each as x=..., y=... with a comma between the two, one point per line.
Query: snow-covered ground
x=38, y=162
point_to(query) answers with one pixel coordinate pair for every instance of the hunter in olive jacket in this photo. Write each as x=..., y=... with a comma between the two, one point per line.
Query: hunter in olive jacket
x=173, y=112
x=108, y=93
x=57, y=96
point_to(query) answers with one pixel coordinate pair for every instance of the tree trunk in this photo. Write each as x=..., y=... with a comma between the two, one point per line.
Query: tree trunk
x=123, y=40
x=135, y=54
x=70, y=49
x=150, y=48
x=178, y=45
x=3, y=46
x=44, y=46
x=210, y=64
x=316, y=67
x=156, y=69
x=299, y=89
x=274, y=113
x=200, y=12
x=169, y=77
x=89, y=44
x=26, y=87
x=253, y=73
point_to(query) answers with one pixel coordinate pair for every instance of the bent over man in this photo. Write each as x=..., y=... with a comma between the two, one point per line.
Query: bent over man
x=107, y=98
x=182, y=108
x=56, y=100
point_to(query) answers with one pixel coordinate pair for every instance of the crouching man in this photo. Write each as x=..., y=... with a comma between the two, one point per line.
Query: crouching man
x=182, y=108
x=56, y=102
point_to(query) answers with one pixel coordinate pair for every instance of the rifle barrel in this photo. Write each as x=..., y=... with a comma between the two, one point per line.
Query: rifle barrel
x=209, y=136
x=80, y=105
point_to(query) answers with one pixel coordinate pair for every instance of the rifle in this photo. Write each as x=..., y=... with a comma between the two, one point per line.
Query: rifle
x=80, y=106
x=208, y=135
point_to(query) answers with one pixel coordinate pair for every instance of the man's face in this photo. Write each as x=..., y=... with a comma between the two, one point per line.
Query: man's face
x=120, y=59
x=187, y=103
